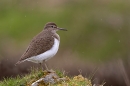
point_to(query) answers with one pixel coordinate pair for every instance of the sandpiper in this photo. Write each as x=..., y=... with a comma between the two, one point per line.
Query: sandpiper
x=43, y=46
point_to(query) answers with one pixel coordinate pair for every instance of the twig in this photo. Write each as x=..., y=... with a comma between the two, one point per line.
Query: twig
x=123, y=71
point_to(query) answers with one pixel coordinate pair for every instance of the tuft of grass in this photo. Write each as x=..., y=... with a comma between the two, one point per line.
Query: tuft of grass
x=22, y=80
x=36, y=74
x=75, y=81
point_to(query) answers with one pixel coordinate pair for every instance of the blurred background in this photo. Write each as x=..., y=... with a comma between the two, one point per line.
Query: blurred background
x=96, y=44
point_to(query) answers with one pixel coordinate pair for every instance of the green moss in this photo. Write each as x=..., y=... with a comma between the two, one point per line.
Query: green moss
x=28, y=79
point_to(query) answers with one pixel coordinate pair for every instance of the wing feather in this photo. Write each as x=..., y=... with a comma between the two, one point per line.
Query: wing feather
x=40, y=44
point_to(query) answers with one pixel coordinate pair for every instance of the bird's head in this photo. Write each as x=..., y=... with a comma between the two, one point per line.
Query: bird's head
x=52, y=26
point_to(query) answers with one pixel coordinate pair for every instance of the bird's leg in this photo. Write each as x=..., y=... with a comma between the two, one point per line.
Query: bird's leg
x=41, y=66
x=50, y=71
x=45, y=65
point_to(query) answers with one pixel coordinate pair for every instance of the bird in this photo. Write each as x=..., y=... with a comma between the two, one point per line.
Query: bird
x=43, y=46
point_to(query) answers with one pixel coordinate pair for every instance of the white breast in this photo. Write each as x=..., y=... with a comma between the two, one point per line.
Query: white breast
x=46, y=55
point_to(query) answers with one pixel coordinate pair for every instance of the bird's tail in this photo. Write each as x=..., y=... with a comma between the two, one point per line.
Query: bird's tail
x=18, y=63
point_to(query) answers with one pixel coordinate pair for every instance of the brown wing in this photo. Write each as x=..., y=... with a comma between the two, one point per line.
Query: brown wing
x=41, y=43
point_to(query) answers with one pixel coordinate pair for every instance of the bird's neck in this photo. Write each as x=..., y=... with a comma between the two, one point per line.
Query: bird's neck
x=53, y=33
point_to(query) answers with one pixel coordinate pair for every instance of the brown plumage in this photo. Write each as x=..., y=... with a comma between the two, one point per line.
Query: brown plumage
x=41, y=42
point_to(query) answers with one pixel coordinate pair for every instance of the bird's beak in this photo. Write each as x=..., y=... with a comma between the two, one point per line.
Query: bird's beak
x=62, y=29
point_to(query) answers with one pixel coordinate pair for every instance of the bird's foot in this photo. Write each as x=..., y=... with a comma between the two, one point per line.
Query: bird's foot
x=50, y=71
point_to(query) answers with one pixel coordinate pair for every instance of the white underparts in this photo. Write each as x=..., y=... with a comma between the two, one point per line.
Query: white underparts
x=46, y=55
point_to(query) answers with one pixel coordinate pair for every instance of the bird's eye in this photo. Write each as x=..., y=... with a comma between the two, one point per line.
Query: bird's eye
x=52, y=26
